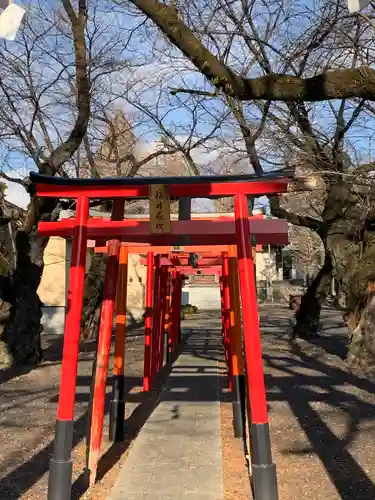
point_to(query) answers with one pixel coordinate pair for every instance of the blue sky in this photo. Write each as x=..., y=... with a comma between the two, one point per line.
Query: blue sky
x=155, y=57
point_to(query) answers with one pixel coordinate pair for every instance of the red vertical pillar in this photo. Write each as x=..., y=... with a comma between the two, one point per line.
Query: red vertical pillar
x=148, y=323
x=235, y=336
x=223, y=326
x=172, y=314
x=226, y=316
x=155, y=320
x=60, y=477
x=167, y=315
x=222, y=304
x=163, y=309
x=174, y=311
x=160, y=319
x=263, y=469
x=178, y=308
x=104, y=345
x=117, y=403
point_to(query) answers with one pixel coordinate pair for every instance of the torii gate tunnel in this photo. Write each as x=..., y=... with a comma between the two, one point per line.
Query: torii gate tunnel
x=229, y=239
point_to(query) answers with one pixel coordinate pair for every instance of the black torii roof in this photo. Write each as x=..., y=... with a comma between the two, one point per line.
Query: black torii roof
x=145, y=181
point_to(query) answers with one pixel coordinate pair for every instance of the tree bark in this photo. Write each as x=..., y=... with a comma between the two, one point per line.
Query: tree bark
x=92, y=299
x=344, y=219
x=308, y=315
x=21, y=337
x=20, y=341
x=361, y=307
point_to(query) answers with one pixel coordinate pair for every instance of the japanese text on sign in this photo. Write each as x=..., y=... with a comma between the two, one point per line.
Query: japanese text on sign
x=160, y=219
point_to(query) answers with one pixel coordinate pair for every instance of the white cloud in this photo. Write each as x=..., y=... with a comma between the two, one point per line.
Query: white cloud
x=16, y=194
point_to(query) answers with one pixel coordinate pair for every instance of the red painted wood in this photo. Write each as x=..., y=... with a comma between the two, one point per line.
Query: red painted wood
x=174, y=261
x=226, y=315
x=148, y=323
x=104, y=345
x=172, y=312
x=253, y=350
x=189, y=271
x=164, y=310
x=73, y=316
x=155, y=319
x=272, y=231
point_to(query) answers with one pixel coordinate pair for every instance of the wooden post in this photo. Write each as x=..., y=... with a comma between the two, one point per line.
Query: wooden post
x=172, y=313
x=226, y=314
x=167, y=315
x=61, y=467
x=148, y=323
x=104, y=344
x=163, y=309
x=117, y=405
x=263, y=469
x=223, y=324
x=156, y=319
x=178, y=308
x=235, y=336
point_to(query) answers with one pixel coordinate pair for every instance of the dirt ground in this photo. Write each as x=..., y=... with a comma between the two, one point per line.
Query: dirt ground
x=321, y=414
x=321, y=417
x=235, y=470
x=28, y=404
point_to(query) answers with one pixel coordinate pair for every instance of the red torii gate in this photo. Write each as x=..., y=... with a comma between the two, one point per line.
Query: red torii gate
x=213, y=260
x=194, y=232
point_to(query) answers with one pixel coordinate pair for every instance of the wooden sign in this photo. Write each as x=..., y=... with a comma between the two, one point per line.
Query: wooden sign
x=160, y=213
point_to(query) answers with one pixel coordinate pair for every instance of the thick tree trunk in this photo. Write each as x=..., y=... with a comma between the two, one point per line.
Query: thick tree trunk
x=308, y=315
x=361, y=350
x=342, y=230
x=20, y=341
x=360, y=314
x=350, y=244
x=92, y=300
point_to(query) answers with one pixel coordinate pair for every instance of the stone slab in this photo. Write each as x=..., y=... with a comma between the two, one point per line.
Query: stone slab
x=177, y=454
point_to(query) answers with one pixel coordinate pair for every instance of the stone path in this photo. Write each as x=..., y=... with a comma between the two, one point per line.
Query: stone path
x=177, y=454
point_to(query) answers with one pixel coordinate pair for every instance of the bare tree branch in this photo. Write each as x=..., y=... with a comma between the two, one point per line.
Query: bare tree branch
x=248, y=137
x=292, y=218
x=66, y=150
x=335, y=84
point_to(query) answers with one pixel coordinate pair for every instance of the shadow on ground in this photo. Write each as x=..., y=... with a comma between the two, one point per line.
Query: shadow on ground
x=52, y=350
x=313, y=380
x=303, y=376
x=21, y=479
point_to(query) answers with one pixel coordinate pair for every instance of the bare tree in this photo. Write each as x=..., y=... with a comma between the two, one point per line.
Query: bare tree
x=63, y=69
x=117, y=156
x=237, y=89
x=20, y=117
x=326, y=57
